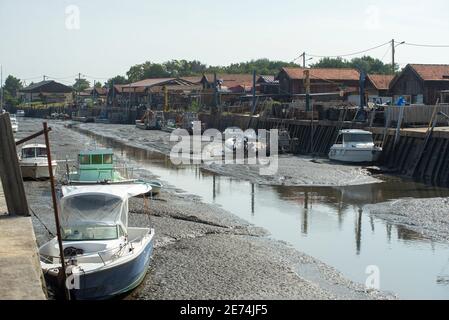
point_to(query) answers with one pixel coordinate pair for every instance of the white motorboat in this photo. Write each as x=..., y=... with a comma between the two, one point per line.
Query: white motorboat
x=14, y=124
x=20, y=113
x=103, y=256
x=156, y=187
x=34, y=162
x=355, y=146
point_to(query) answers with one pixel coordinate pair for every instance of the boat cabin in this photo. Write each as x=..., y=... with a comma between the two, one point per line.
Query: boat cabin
x=34, y=151
x=355, y=137
x=96, y=165
x=98, y=212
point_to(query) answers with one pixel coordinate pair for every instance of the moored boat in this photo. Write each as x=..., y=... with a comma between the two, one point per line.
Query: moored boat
x=98, y=167
x=14, y=124
x=104, y=257
x=355, y=146
x=33, y=162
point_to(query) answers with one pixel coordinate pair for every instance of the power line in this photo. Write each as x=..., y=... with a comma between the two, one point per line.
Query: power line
x=351, y=54
x=62, y=78
x=95, y=78
x=388, y=51
x=427, y=45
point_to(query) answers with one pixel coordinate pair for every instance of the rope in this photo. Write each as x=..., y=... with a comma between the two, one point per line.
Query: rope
x=43, y=224
x=146, y=209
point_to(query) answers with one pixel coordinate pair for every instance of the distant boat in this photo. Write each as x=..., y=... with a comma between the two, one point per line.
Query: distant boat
x=156, y=187
x=355, y=146
x=14, y=124
x=103, y=255
x=33, y=162
x=151, y=121
x=20, y=113
x=169, y=126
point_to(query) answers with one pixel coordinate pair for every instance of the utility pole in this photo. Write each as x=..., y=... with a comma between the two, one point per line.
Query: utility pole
x=254, y=92
x=79, y=86
x=44, y=77
x=307, y=87
x=393, y=62
x=215, y=91
x=304, y=60
x=93, y=93
x=362, y=80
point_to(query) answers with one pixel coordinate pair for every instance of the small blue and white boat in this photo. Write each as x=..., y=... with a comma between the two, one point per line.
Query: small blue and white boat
x=103, y=256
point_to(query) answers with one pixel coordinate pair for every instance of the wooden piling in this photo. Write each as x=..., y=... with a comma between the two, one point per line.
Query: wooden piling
x=10, y=173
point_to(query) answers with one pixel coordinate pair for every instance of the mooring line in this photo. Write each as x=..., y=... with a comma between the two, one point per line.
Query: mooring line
x=43, y=224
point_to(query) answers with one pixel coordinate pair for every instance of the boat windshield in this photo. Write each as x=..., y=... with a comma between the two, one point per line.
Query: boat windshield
x=41, y=152
x=358, y=138
x=28, y=153
x=90, y=232
x=93, y=216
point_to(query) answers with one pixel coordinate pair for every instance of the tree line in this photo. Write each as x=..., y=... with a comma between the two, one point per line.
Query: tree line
x=185, y=68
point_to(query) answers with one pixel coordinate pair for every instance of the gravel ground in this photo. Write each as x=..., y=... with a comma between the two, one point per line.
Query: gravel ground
x=293, y=170
x=202, y=251
x=429, y=217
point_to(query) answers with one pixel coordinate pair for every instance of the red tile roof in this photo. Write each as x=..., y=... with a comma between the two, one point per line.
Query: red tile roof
x=432, y=72
x=151, y=82
x=323, y=73
x=380, y=81
x=232, y=80
x=193, y=79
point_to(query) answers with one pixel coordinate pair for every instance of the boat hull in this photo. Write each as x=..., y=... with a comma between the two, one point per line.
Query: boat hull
x=354, y=155
x=36, y=171
x=114, y=281
x=111, y=281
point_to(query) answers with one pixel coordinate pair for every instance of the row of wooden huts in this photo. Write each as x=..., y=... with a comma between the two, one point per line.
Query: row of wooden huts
x=417, y=83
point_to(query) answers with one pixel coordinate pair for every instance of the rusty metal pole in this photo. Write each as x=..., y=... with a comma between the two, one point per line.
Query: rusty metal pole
x=56, y=211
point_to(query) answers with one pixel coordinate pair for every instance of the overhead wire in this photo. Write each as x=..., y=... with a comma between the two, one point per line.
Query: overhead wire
x=427, y=45
x=349, y=54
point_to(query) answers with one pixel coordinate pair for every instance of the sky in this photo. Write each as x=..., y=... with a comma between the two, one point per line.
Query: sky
x=103, y=38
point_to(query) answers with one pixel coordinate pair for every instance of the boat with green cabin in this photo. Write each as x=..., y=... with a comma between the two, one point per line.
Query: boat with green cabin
x=98, y=166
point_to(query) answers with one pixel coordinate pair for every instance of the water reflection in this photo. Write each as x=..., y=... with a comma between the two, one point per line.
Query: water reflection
x=333, y=225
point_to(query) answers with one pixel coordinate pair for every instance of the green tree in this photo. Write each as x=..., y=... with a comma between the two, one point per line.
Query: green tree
x=98, y=85
x=116, y=80
x=11, y=90
x=81, y=84
x=366, y=63
x=331, y=63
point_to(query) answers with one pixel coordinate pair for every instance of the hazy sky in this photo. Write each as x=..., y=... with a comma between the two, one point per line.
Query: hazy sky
x=42, y=37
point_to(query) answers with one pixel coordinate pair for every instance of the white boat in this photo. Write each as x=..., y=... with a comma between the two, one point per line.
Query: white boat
x=20, y=113
x=14, y=124
x=156, y=187
x=355, y=146
x=34, y=162
x=103, y=256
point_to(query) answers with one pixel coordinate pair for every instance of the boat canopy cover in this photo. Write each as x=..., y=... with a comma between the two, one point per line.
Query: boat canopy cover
x=98, y=204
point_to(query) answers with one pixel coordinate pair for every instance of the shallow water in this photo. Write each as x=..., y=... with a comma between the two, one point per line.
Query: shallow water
x=327, y=223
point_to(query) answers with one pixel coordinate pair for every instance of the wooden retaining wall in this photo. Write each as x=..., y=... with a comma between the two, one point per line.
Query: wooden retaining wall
x=407, y=158
x=324, y=132
x=411, y=157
